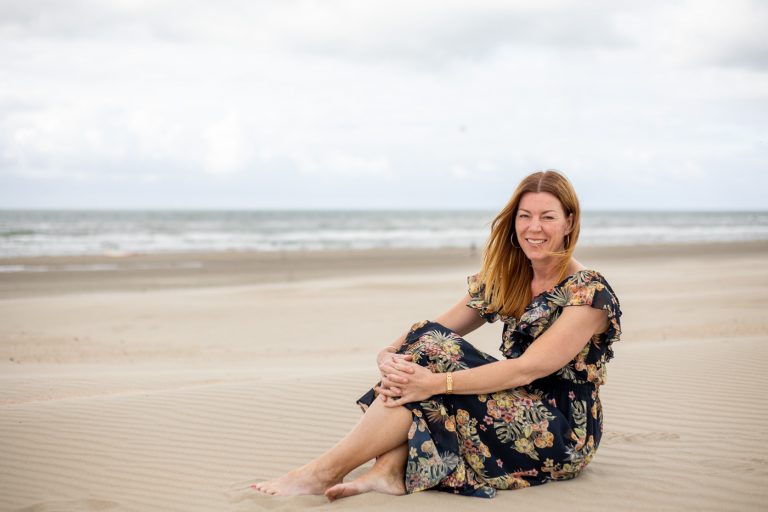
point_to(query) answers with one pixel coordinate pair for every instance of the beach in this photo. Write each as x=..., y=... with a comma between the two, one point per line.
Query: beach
x=172, y=381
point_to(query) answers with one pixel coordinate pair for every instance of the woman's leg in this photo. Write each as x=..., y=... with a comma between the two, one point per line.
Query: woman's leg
x=386, y=476
x=380, y=430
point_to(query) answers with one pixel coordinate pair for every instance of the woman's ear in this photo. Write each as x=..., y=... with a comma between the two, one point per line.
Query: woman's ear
x=569, y=224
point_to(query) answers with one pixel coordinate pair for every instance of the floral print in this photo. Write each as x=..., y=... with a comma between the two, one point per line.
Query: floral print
x=548, y=430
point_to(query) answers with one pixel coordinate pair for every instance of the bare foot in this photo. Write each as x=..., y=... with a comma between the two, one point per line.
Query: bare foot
x=304, y=480
x=385, y=482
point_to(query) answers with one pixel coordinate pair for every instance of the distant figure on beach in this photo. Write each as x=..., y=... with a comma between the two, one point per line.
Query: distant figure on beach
x=447, y=416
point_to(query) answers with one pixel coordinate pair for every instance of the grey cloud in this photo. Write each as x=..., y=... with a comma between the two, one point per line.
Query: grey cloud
x=426, y=32
x=467, y=33
x=10, y=105
x=752, y=56
x=90, y=20
x=732, y=36
x=757, y=59
x=748, y=46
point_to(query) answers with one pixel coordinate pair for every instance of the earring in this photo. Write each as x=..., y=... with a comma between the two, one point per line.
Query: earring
x=512, y=240
x=567, y=241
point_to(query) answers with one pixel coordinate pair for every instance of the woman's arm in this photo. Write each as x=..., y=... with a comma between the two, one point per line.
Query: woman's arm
x=460, y=318
x=565, y=338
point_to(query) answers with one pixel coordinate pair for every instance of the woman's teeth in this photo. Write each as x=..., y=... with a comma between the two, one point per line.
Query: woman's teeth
x=534, y=242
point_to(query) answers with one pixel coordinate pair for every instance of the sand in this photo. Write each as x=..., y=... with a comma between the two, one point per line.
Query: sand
x=149, y=387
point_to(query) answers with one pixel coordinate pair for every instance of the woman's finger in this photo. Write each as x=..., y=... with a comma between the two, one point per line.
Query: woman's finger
x=395, y=403
x=405, y=367
x=387, y=392
x=400, y=377
x=390, y=362
x=392, y=365
x=394, y=378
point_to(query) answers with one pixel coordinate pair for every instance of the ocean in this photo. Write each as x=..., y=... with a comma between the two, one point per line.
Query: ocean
x=59, y=233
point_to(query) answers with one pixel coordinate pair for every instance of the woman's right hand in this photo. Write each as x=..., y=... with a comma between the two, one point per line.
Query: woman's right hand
x=388, y=360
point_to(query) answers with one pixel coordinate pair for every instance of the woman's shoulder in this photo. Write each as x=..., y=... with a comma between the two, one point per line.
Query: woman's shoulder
x=586, y=277
x=577, y=277
x=583, y=287
x=579, y=273
x=589, y=287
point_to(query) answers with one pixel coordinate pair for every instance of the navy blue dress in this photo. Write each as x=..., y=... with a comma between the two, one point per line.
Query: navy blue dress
x=547, y=430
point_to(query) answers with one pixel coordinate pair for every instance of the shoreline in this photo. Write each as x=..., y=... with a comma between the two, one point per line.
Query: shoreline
x=154, y=271
x=641, y=249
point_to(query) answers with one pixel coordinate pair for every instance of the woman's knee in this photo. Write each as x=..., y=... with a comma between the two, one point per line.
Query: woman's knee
x=435, y=345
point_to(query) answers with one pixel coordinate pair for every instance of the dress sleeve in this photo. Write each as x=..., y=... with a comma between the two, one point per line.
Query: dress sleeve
x=477, y=300
x=593, y=290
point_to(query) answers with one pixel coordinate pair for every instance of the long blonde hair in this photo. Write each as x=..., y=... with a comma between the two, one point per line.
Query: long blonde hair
x=506, y=271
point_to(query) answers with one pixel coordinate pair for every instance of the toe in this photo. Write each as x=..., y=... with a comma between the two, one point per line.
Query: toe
x=334, y=492
x=262, y=487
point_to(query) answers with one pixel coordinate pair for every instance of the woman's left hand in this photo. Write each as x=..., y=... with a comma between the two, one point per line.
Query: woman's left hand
x=409, y=382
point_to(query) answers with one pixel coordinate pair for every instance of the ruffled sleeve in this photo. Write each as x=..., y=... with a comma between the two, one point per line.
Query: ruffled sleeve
x=591, y=289
x=477, y=300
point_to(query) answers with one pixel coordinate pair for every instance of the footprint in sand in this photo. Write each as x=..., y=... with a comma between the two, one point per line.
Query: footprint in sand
x=89, y=505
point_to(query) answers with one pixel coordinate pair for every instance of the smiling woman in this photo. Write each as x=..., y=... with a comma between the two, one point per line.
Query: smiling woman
x=447, y=416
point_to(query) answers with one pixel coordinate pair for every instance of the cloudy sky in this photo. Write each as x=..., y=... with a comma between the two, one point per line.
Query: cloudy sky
x=397, y=104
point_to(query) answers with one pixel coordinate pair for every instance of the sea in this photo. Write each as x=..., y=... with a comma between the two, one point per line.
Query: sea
x=98, y=232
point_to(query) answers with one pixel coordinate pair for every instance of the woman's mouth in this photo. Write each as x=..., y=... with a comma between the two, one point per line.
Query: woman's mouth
x=535, y=241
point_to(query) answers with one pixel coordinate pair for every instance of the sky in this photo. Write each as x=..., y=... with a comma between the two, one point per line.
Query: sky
x=659, y=105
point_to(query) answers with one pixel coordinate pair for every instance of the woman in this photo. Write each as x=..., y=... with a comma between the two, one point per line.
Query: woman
x=447, y=416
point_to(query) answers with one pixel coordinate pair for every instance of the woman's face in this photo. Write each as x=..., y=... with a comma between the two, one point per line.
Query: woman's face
x=541, y=225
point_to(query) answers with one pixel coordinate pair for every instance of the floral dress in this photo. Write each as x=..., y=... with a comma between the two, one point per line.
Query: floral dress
x=546, y=430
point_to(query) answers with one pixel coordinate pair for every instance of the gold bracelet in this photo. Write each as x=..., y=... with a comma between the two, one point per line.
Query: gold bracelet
x=449, y=383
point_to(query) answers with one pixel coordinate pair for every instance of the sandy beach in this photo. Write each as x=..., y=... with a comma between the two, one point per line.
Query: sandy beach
x=170, y=382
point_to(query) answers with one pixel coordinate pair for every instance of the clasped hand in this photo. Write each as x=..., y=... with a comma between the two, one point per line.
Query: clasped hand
x=402, y=380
